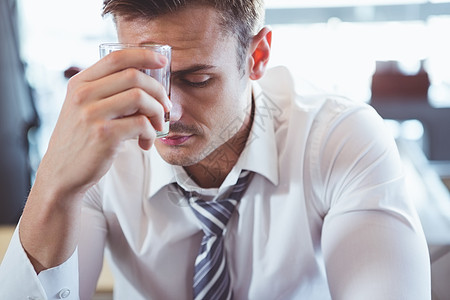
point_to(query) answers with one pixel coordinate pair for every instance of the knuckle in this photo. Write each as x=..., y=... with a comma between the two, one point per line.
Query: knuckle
x=86, y=115
x=82, y=93
x=113, y=58
x=72, y=88
x=78, y=93
x=72, y=83
x=102, y=131
x=131, y=75
x=142, y=121
x=137, y=95
x=146, y=55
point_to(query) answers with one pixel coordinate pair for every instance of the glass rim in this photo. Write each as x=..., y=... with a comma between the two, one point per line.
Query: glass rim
x=134, y=45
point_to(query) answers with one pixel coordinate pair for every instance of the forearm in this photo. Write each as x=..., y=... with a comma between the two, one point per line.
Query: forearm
x=49, y=227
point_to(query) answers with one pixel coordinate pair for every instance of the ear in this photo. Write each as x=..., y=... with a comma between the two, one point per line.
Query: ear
x=260, y=48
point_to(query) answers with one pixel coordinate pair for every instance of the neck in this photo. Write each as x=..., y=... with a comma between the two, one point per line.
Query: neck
x=212, y=171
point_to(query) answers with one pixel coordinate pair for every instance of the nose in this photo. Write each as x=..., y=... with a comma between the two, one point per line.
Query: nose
x=176, y=111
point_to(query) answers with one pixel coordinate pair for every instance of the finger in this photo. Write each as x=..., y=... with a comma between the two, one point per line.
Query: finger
x=125, y=80
x=133, y=127
x=124, y=59
x=145, y=144
x=128, y=103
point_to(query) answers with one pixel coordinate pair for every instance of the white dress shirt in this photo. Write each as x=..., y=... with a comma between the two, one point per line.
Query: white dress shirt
x=325, y=215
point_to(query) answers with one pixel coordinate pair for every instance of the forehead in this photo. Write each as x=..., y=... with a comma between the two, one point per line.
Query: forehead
x=195, y=33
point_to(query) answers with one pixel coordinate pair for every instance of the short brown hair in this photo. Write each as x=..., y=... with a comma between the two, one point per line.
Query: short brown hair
x=241, y=18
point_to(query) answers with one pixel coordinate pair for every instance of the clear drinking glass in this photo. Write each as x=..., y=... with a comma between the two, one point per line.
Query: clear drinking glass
x=161, y=75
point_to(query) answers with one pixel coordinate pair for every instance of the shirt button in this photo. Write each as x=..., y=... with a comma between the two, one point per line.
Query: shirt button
x=64, y=293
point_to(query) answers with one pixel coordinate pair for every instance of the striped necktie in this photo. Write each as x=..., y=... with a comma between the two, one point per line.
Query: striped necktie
x=212, y=278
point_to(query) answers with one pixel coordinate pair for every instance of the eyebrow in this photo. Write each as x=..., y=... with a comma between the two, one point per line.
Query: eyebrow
x=192, y=69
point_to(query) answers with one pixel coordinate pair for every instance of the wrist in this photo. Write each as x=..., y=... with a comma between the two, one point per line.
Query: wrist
x=49, y=228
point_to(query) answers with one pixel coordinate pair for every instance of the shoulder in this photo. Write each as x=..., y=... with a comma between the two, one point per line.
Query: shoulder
x=349, y=148
x=279, y=86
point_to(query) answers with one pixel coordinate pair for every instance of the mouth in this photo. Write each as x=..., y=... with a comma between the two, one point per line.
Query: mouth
x=175, y=140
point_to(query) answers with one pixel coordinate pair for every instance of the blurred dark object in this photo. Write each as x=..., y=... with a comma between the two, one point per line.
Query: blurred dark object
x=388, y=82
x=72, y=71
x=17, y=117
x=398, y=96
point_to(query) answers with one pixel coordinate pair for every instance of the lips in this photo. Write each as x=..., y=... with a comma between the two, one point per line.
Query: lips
x=175, y=140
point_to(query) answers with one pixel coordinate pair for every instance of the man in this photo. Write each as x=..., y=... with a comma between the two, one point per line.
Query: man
x=323, y=212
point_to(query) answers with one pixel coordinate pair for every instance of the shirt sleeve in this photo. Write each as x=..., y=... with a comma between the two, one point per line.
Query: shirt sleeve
x=92, y=242
x=20, y=281
x=76, y=278
x=372, y=240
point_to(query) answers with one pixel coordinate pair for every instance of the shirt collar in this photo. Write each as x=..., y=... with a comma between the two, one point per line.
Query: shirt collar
x=260, y=154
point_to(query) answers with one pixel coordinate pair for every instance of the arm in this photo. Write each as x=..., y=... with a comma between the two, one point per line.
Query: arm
x=91, y=243
x=105, y=105
x=372, y=240
x=375, y=255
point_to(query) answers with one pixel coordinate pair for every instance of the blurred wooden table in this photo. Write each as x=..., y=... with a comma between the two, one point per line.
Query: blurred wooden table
x=5, y=235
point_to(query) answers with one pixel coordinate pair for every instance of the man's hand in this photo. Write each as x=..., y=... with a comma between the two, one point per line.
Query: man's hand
x=106, y=104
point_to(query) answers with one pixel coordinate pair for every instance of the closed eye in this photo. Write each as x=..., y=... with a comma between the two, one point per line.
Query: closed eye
x=197, y=84
x=195, y=76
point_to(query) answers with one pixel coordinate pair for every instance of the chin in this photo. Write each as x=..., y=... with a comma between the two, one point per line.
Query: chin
x=178, y=156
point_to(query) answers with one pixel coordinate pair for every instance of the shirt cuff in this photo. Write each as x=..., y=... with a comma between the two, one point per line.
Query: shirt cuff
x=61, y=282
x=20, y=281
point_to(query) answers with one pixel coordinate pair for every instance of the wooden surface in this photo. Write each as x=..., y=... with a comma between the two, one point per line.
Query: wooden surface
x=5, y=235
x=105, y=282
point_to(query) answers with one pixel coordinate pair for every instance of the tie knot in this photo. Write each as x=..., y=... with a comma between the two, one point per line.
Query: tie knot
x=214, y=215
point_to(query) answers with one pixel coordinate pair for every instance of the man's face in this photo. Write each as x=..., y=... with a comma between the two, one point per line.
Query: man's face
x=211, y=98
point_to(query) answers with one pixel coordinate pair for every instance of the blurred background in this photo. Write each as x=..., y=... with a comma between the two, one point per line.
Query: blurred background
x=392, y=54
